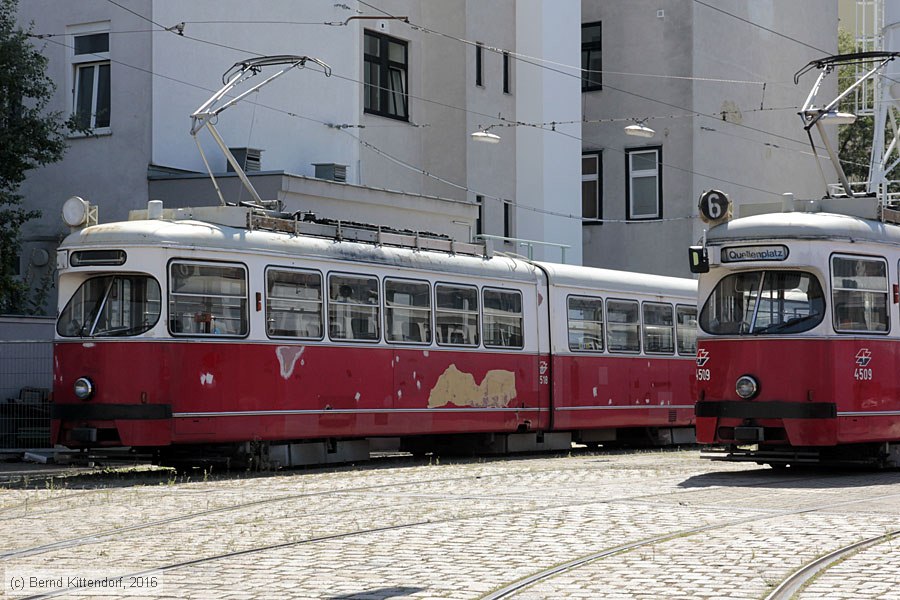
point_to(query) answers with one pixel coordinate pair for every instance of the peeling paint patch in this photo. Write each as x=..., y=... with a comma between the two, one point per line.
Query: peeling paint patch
x=595, y=392
x=357, y=396
x=418, y=385
x=206, y=378
x=287, y=358
x=454, y=387
x=425, y=353
x=88, y=345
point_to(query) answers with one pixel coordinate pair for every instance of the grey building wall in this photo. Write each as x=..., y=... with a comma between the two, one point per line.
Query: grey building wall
x=669, y=60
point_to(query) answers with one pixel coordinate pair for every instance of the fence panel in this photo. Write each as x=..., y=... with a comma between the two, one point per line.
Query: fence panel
x=26, y=378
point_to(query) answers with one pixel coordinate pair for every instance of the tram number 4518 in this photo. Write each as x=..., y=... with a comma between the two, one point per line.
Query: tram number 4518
x=702, y=374
x=862, y=374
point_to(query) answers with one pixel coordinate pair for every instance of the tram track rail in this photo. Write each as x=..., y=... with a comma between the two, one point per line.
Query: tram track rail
x=504, y=592
x=111, y=534
x=797, y=580
x=789, y=585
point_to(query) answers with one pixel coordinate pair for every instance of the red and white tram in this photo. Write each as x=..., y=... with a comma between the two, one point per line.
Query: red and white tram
x=225, y=327
x=799, y=341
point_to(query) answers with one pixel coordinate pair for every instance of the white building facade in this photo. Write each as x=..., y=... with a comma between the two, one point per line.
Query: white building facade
x=409, y=82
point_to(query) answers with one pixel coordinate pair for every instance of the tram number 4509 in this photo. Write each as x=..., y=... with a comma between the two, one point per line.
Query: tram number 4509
x=862, y=374
x=703, y=375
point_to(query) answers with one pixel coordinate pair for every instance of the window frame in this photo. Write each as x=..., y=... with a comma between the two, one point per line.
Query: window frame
x=601, y=339
x=593, y=81
x=79, y=64
x=645, y=329
x=245, y=316
x=387, y=330
x=377, y=306
x=609, y=326
x=690, y=351
x=886, y=293
x=477, y=312
x=500, y=313
x=597, y=178
x=321, y=302
x=631, y=175
x=386, y=67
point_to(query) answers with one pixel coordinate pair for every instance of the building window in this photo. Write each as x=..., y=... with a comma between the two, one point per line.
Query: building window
x=644, y=183
x=479, y=64
x=386, y=85
x=91, y=91
x=591, y=63
x=479, y=220
x=506, y=73
x=591, y=186
x=507, y=219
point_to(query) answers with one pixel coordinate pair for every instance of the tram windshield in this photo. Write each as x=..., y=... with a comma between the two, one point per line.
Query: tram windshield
x=764, y=303
x=113, y=305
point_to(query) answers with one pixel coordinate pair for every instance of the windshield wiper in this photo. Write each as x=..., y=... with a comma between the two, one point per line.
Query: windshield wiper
x=785, y=324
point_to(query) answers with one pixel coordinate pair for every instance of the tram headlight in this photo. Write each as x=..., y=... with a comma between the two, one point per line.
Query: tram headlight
x=746, y=387
x=84, y=388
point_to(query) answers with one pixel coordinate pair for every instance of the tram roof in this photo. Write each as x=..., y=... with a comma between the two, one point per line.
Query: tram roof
x=195, y=235
x=619, y=281
x=201, y=235
x=804, y=226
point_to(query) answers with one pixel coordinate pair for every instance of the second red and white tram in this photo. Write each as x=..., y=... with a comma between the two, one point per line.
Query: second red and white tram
x=223, y=327
x=799, y=341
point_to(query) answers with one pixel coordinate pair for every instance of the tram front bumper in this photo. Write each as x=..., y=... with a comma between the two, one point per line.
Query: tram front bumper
x=772, y=423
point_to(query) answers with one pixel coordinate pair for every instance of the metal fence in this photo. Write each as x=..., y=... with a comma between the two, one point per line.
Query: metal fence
x=26, y=377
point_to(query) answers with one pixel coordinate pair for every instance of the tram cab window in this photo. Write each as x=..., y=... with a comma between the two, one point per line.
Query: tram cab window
x=859, y=288
x=294, y=304
x=407, y=311
x=112, y=305
x=353, y=308
x=585, y=324
x=502, y=318
x=659, y=328
x=456, y=315
x=686, y=329
x=623, y=328
x=207, y=299
x=764, y=303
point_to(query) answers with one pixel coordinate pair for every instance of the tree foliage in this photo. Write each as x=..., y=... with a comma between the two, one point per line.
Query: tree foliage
x=30, y=137
x=855, y=140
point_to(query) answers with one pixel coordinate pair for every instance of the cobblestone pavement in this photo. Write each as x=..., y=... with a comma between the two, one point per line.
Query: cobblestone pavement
x=460, y=529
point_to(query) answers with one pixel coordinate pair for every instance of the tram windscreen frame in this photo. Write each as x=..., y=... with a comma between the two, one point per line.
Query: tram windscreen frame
x=789, y=302
x=112, y=305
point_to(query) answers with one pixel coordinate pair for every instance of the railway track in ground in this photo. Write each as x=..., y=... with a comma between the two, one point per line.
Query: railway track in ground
x=785, y=591
x=502, y=593
x=797, y=580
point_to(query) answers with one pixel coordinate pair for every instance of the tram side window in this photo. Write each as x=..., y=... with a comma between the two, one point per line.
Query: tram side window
x=659, y=328
x=353, y=308
x=294, y=304
x=585, y=316
x=502, y=318
x=407, y=311
x=623, y=326
x=860, y=293
x=207, y=299
x=686, y=329
x=120, y=305
x=456, y=315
